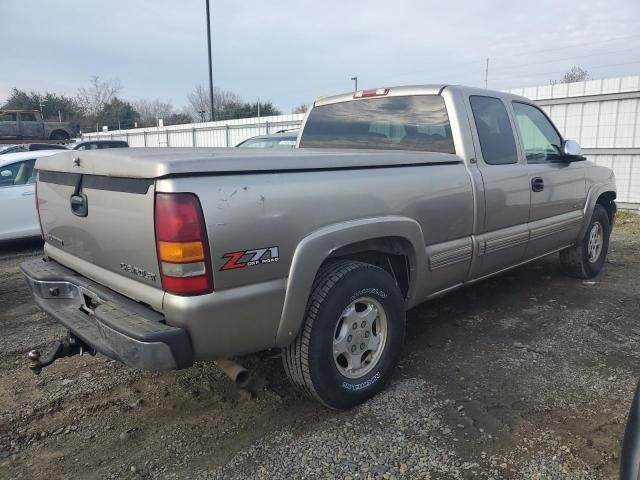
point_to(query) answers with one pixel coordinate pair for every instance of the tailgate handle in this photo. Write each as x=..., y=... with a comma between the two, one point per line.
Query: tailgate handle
x=79, y=201
x=79, y=205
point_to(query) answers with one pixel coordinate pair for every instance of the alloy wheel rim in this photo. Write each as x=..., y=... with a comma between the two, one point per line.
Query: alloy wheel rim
x=595, y=243
x=360, y=337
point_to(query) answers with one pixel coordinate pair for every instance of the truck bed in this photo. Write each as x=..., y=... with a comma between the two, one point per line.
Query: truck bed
x=158, y=163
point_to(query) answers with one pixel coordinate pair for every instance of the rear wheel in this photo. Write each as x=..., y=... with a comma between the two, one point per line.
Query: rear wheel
x=587, y=257
x=352, y=335
x=59, y=135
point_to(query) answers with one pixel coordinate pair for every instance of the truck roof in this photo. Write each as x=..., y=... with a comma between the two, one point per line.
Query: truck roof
x=13, y=110
x=432, y=89
x=157, y=163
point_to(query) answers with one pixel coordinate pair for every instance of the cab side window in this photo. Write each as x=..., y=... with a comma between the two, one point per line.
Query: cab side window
x=27, y=117
x=494, y=130
x=8, y=117
x=540, y=139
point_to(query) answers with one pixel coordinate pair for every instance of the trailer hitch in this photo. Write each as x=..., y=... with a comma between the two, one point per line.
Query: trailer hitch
x=68, y=347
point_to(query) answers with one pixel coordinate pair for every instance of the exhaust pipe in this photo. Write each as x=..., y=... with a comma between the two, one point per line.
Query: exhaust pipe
x=235, y=372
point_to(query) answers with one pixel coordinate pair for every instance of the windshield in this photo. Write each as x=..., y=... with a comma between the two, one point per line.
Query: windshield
x=418, y=122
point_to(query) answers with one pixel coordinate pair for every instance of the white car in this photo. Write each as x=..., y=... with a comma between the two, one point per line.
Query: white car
x=18, y=215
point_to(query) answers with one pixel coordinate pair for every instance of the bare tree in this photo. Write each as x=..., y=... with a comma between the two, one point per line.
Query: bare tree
x=152, y=110
x=93, y=99
x=574, y=74
x=199, y=106
x=302, y=108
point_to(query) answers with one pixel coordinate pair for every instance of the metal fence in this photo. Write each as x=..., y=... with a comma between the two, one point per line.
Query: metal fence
x=602, y=115
x=206, y=134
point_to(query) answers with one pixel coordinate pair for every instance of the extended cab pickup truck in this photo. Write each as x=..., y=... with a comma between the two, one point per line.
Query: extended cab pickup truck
x=160, y=257
x=30, y=124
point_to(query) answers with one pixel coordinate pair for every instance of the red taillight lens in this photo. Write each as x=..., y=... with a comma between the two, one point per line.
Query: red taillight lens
x=376, y=92
x=38, y=210
x=181, y=241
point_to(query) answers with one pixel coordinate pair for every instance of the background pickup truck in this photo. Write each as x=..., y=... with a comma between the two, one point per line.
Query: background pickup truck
x=161, y=257
x=29, y=124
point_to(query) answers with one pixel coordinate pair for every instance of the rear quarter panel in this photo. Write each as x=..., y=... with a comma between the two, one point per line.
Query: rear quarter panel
x=256, y=211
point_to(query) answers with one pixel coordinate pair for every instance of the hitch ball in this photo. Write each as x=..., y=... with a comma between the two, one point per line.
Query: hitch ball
x=33, y=356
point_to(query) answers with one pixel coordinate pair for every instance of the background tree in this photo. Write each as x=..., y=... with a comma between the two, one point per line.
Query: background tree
x=151, y=111
x=178, y=119
x=92, y=100
x=199, y=106
x=302, y=108
x=118, y=114
x=52, y=104
x=574, y=74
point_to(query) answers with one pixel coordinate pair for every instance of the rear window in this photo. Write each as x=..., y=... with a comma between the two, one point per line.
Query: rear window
x=418, y=122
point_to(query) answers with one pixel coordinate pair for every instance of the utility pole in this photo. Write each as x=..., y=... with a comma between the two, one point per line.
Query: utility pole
x=355, y=79
x=486, y=74
x=213, y=113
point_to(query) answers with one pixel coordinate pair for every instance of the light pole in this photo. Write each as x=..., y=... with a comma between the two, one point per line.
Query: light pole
x=213, y=113
x=355, y=79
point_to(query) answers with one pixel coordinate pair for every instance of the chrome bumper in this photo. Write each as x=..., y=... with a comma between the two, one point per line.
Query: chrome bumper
x=110, y=323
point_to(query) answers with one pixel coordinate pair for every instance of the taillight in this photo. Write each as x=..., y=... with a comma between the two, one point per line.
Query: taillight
x=38, y=210
x=376, y=92
x=181, y=241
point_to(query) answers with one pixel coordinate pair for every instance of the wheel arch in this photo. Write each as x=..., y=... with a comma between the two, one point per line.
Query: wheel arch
x=53, y=133
x=390, y=238
x=601, y=194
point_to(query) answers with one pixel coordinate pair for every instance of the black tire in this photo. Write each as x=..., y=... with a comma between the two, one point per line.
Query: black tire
x=575, y=260
x=309, y=359
x=59, y=135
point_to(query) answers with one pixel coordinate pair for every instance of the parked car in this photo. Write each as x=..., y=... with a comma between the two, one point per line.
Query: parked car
x=30, y=147
x=30, y=124
x=98, y=144
x=18, y=216
x=160, y=257
x=284, y=139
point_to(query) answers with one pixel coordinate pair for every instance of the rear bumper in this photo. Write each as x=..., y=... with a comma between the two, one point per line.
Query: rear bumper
x=107, y=321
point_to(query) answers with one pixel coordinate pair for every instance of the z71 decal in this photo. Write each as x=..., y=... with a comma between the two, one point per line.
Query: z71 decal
x=249, y=258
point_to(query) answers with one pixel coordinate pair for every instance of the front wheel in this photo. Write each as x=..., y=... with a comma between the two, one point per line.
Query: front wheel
x=350, y=342
x=586, y=258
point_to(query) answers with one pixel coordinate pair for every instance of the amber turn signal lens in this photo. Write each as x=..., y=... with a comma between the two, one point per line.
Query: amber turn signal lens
x=180, y=252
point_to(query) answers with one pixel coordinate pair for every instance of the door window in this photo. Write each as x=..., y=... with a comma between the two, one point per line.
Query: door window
x=19, y=173
x=540, y=139
x=7, y=117
x=494, y=130
x=28, y=117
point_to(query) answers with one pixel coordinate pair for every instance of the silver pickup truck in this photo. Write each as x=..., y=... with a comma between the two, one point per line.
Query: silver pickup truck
x=160, y=257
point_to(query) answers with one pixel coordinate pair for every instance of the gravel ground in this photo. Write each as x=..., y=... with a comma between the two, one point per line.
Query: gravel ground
x=526, y=375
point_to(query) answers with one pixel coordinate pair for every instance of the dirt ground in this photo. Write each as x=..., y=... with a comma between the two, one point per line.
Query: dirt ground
x=526, y=375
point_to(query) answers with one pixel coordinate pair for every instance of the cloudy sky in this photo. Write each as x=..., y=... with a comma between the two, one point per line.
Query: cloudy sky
x=291, y=51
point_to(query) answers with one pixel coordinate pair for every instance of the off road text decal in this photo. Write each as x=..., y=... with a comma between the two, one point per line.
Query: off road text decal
x=249, y=258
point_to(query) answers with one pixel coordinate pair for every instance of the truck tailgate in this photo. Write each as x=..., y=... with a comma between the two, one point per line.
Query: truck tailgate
x=113, y=241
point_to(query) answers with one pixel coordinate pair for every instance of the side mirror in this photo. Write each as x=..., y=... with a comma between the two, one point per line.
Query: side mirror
x=572, y=148
x=571, y=152
x=6, y=173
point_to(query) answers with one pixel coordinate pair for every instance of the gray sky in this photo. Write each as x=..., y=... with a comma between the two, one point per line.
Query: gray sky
x=291, y=51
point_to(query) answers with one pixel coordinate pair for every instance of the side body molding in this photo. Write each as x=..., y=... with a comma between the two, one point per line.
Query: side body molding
x=314, y=249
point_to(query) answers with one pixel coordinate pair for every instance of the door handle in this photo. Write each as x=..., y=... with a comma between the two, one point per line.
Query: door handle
x=537, y=184
x=27, y=194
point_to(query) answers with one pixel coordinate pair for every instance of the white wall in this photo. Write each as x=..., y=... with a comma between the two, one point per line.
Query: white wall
x=206, y=134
